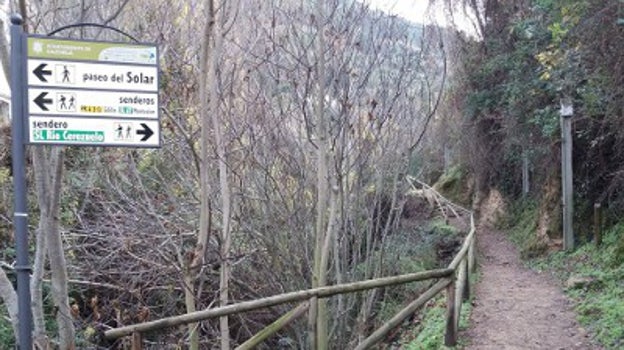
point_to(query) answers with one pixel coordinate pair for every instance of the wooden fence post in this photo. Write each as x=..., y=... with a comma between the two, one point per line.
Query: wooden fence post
x=137, y=341
x=472, y=266
x=450, y=338
x=598, y=224
x=460, y=285
x=312, y=315
x=466, y=294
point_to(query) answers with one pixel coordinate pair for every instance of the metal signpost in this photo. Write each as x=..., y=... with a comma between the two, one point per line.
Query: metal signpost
x=74, y=93
x=20, y=215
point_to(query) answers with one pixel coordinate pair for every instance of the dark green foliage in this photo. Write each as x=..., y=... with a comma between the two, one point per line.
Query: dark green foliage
x=533, y=54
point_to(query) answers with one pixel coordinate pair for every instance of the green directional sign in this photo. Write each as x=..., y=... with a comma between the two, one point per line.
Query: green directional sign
x=64, y=49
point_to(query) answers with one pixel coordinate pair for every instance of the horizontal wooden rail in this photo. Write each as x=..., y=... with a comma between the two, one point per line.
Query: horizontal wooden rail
x=397, y=319
x=274, y=327
x=322, y=292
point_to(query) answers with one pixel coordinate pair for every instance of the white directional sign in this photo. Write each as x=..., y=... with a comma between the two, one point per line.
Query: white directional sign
x=84, y=102
x=92, y=93
x=69, y=74
x=93, y=131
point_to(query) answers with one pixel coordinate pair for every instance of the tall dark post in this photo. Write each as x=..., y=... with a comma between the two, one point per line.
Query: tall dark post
x=20, y=216
x=525, y=173
x=567, y=111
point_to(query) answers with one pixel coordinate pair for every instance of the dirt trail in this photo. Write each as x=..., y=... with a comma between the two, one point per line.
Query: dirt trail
x=516, y=308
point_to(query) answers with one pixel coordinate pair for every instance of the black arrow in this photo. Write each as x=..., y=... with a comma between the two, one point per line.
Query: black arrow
x=41, y=72
x=41, y=101
x=146, y=132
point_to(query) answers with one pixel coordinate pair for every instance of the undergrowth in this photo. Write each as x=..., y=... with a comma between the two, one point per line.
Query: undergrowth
x=429, y=334
x=427, y=328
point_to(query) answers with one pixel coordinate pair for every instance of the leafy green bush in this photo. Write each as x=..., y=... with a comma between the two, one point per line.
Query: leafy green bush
x=452, y=184
x=440, y=228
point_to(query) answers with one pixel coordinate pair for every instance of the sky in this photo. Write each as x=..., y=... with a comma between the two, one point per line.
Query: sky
x=413, y=10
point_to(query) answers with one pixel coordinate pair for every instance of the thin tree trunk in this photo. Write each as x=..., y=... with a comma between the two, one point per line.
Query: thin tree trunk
x=219, y=139
x=189, y=302
x=4, y=49
x=48, y=181
x=36, y=290
x=205, y=222
x=9, y=297
x=41, y=251
x=58, y=267
x=339, y=320
x=318, y=338
x=49, y=168
x=56, y=255
x=323, y=317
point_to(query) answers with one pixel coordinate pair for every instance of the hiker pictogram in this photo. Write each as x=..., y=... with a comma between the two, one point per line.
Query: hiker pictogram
x=66, y=102
x=123, y=131
x=65, y=73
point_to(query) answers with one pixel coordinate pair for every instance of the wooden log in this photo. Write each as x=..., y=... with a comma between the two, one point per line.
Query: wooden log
x=437, y=194
x=321, y=292
x=274, y=327
x=398, y=318
x=450, y=337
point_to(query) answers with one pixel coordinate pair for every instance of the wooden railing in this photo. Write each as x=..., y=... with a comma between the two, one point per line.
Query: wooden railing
x=454, y=279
